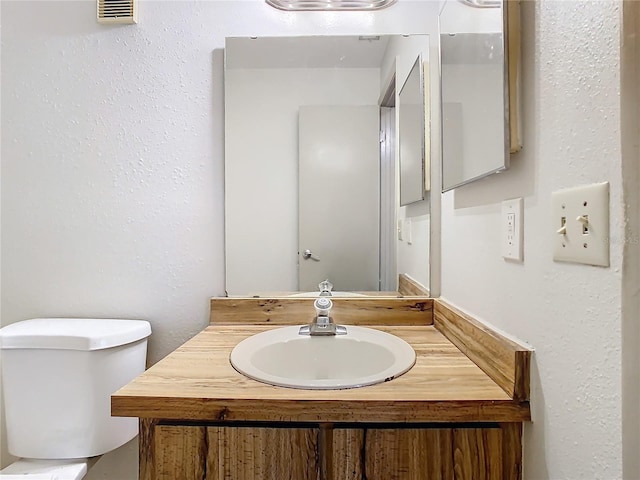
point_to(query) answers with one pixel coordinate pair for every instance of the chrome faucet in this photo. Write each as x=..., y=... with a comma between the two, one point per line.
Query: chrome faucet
x=323, y=323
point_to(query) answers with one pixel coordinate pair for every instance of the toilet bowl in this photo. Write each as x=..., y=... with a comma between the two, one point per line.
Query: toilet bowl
x=58, y=375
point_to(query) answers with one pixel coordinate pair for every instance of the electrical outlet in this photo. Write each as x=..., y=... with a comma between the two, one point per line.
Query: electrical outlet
x=512, y=229
x=581, y=224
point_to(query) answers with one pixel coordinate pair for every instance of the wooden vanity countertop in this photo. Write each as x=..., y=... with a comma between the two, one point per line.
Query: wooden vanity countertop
x=196, y=383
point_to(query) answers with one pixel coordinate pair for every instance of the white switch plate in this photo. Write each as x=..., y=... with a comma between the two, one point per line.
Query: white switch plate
x=512, y=229
x=582, y=241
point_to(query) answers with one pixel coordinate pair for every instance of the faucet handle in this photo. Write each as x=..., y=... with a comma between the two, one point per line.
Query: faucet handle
x=325, y=286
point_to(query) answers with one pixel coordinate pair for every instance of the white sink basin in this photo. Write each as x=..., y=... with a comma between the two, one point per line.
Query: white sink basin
x=363, y=356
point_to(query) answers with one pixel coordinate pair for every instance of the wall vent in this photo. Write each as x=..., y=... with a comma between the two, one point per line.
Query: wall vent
x=117, y=11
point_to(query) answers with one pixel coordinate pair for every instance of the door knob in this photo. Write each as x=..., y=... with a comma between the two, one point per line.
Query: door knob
x=308, y=254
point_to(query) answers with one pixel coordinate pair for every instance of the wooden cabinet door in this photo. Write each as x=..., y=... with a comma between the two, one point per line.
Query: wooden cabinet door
x=263, y=453
x=489, y=453
x=392, y=454
x=179, y=453
x=176, y=452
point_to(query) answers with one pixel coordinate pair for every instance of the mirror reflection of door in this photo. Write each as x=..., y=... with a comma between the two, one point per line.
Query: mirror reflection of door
x=339, y=197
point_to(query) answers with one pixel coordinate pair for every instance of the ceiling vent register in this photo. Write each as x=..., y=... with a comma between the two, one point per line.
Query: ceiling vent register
x=117, y=11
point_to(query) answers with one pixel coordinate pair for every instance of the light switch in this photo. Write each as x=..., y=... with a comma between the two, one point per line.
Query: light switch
x=512, y=229
x=581, y=224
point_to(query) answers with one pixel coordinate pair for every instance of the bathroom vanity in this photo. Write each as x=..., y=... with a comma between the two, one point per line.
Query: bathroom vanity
x=457, y=414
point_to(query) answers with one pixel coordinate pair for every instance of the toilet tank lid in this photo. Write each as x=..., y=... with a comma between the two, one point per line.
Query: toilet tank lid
x=73, y=333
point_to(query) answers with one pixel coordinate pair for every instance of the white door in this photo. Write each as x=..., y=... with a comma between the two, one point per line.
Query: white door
x=339, y=200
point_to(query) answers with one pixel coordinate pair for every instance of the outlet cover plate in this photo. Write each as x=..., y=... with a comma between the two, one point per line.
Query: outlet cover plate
x=583, y=242
x=512, y=229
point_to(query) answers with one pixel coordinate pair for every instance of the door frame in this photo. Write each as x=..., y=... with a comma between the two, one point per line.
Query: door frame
x=388, y=211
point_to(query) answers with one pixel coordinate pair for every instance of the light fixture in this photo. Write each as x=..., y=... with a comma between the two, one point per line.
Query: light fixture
x=482, y=3
x=294, y=5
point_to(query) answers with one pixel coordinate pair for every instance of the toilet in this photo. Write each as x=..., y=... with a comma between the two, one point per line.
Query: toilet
x=58, y=375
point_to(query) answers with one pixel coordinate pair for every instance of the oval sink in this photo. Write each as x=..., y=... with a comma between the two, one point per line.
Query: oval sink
x=363, y=356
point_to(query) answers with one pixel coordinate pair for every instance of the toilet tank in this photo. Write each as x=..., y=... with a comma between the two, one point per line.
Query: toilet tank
x=58, y=375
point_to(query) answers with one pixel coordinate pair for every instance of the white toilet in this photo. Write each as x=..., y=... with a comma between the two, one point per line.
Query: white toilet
x=58, y=375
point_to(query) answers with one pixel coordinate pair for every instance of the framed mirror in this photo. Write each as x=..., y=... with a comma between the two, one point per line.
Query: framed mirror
x=306, y=197
x=475, y=92
x=411, y=136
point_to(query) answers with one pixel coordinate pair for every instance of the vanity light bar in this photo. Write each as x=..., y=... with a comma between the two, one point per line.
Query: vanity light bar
x=482, y=3
x=293, y=5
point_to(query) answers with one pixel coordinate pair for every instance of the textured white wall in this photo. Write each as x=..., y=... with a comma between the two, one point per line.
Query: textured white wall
x=570, y=313
x=112, y=158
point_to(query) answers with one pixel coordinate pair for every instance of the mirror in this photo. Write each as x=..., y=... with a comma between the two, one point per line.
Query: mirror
x=307, y=195
x=411, y=135
x=474, y=87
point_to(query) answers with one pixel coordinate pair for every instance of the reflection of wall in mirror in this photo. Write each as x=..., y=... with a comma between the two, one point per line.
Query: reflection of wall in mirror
x=457, y=17
x=481, y=117
x=411, y=152
x=472, y=72
x=452, y=141
x=261, y=139
x=412, y=258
